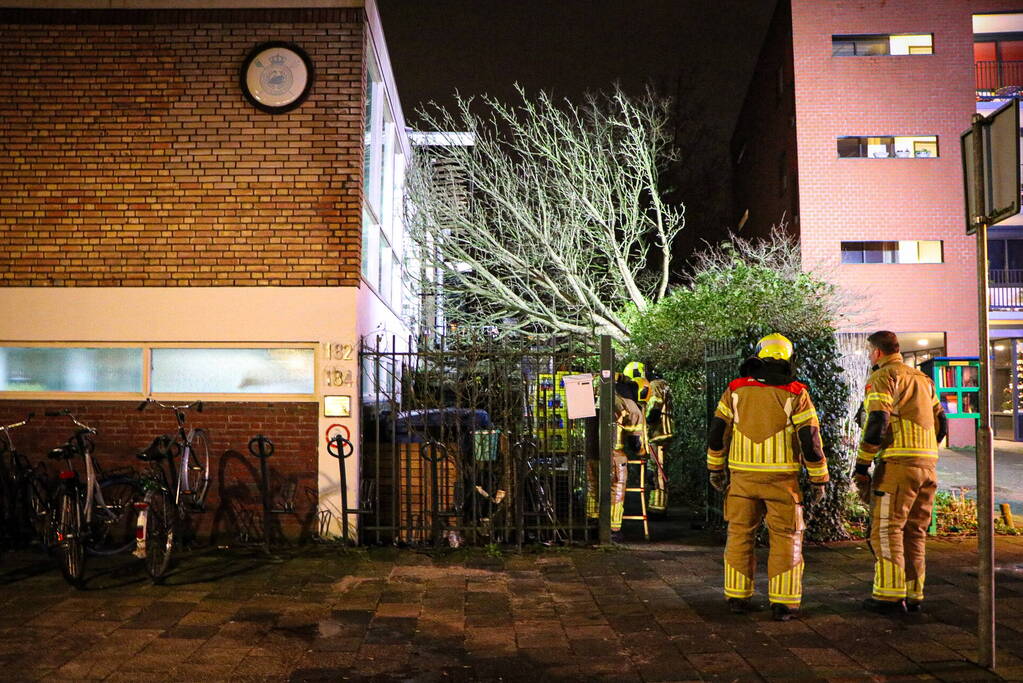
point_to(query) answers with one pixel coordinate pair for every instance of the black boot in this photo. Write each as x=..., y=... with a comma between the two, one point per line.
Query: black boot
x=885, y=606
x=914, y=606
x=738, y=605
x=780, y=612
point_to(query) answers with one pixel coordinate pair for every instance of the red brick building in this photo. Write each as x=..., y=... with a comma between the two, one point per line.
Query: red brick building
x=854, y=119
x=167, y=236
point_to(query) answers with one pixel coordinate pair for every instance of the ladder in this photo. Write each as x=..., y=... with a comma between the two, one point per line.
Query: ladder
x=641, y=490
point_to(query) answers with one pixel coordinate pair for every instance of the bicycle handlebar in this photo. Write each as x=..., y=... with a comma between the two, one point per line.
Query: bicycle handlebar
x=197, y=405
x=66, y=412
x=28, y=418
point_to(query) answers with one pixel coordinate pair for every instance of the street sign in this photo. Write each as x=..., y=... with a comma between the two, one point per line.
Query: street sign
x=1001, y=168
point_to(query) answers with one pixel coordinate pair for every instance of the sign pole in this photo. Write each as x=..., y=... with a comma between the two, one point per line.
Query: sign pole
x=985, y=454
x=606, y=421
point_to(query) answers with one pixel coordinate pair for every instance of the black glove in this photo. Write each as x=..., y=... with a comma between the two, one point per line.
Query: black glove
x=816, y=494
x=717, y=480
x=862, y=482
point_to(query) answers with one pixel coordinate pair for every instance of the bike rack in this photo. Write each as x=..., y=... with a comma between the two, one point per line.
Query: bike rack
x=342, y=449
x=262, y=448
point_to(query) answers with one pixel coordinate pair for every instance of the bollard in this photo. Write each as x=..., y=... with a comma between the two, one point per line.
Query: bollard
x=429, y=452
x=263, y=448
x=342, y=449
x=1007, y=515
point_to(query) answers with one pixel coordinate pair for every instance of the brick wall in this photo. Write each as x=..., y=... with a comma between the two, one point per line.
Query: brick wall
x=234, y=505
x=131, y=157
x=890, y=199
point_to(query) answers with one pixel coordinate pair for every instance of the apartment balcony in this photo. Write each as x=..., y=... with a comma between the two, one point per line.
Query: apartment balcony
x=998, y=79
x=1005, y=290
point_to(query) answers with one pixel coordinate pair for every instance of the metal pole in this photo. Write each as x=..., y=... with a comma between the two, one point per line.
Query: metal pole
x=985, y=454
x=606, y=418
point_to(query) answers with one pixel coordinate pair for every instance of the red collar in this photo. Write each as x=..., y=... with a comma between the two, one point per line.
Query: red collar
x=792, y=387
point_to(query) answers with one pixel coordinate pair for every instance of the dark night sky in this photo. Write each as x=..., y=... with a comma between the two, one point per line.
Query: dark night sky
x=701, y=52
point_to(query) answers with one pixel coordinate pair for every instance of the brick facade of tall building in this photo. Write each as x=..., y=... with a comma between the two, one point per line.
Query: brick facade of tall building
x=131, y=157
x=878, y=198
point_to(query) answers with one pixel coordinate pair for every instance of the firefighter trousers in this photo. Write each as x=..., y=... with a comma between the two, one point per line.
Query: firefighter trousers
x=658, y=498
x=900, y=514
x=618, y=476
x=753, y=497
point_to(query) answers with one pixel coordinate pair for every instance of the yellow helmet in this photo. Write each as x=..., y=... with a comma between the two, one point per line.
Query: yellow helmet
x=774, y=346
x=635, y=370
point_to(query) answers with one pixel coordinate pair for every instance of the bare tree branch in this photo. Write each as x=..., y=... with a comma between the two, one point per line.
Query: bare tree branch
x=547, y=221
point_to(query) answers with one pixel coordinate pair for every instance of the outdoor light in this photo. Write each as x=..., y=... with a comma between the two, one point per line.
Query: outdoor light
x=999, y=347
x=921, y=342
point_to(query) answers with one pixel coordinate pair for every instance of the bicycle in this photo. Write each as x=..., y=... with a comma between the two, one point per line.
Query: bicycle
x=94, y=517
x=24, y=499
x=170, y=492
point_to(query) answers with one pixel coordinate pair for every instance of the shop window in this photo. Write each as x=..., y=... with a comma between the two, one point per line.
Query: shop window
x=882, y=44
x=902, y=251
x=24, y=368
x=233, y=371
x=887, y=146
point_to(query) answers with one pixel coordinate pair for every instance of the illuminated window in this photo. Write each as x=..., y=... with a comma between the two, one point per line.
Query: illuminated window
x=233, y=371
x=902, y=251
x=28, y=368
x=888, y=146
x=882, y=44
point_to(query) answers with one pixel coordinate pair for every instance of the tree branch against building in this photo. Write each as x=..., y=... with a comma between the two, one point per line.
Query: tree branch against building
x=554, y=219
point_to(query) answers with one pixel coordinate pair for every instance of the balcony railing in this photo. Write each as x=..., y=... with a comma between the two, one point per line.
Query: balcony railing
x=1003, y=76
x=1005, y=290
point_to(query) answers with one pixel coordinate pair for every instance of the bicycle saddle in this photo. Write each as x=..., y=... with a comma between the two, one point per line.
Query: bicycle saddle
x=158, y=450
x=61, y=452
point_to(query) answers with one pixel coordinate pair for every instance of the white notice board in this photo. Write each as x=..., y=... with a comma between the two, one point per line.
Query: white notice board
x=579, y=396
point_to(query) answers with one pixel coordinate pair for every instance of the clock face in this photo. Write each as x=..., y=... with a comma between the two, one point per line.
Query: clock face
x=276, y=77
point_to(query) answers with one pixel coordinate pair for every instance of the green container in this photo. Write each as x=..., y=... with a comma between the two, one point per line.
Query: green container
x=485, y=444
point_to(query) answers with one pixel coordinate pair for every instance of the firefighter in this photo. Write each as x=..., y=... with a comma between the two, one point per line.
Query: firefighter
x=659, y=432
x=904, y=425
x=628, y=431
x=764, y=422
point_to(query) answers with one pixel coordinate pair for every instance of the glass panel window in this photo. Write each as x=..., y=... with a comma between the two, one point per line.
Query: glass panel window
x=903, y=251
x=370, y=249
x=1014, y=254
x=233, y=371
x=25, y=368
x=984, y=52
x=884, y=147
x=881, y=44
x=919, y=44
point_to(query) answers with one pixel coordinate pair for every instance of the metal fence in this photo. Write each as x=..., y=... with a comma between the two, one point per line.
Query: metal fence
x=993, y=76
x=468, y=441
x=721, y=365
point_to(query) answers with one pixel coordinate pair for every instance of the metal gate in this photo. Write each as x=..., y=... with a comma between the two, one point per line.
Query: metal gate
x=467, y=440
x=721, y=366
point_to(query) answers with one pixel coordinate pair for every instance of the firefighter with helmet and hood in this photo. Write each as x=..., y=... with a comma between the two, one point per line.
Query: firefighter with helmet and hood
x=655, y=402
x=764, y=431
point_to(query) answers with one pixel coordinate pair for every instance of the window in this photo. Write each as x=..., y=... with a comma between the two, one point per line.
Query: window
x=888, y=147
x=233, y=371
x=34, y=368
x=882, y=44
x=903, y=251
x=1005, y=261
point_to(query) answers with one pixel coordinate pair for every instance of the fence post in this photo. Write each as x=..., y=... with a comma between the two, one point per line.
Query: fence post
x=606, y=421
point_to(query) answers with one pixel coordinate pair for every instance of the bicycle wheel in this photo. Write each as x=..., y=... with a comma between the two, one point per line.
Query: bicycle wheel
x=113, y=524
x=70, y=549
x=157, y=531
x=197, y=473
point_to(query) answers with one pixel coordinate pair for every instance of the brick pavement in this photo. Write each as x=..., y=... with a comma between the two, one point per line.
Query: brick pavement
x=651, y=613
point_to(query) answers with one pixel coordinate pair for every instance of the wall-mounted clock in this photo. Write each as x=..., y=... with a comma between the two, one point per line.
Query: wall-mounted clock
x=276, y=77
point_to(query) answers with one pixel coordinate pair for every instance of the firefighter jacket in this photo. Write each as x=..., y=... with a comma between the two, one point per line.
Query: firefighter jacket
x=630, y=426
x=658, y=412
x=765, y=422
x=904, y=417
